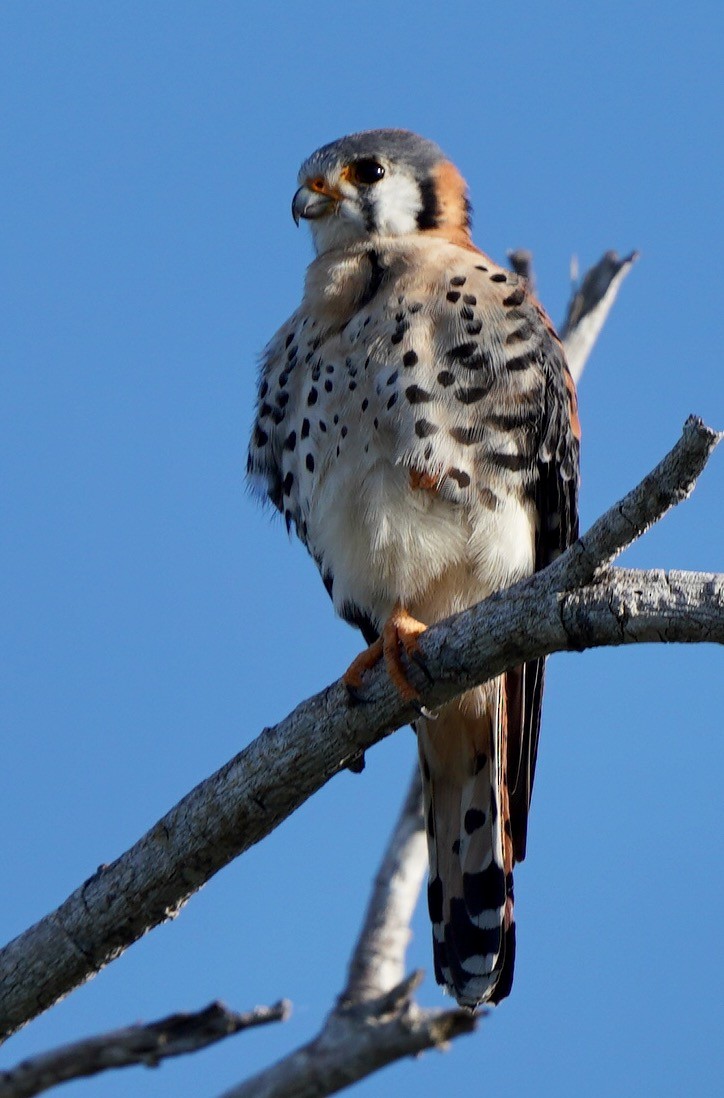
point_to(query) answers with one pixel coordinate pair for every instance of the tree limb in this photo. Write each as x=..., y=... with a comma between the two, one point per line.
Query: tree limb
x=376, y=1019
x=378, y=960
x=566, y=607
x=141, y=1044
x=354, y=1043
x=590, y=305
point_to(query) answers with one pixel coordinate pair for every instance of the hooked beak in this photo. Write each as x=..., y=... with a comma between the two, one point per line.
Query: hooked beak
x=314, y=199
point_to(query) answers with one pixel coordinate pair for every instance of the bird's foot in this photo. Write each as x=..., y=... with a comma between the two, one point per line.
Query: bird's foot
x=400, y=629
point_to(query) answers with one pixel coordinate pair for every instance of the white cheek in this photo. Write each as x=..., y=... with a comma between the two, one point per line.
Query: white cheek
x=397, y=204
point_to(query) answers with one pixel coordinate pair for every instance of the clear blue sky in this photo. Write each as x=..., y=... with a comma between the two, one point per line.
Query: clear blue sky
x=154, y=620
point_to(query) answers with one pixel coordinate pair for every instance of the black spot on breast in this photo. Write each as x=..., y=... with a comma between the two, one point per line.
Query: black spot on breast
x=289, y=340
x=312, y=396
x=376, y=277
x=322, y=426
x=305, y=428
x=415, y=306
x=423, y=428
x=282, y=399
x=523, y=332
x=453, y=296
x=520, y=362
x=288, y=483
x=392, y=401
x=309, y=462
x=474, y=329
x=328, y=386
x=445, y=378
x=466, y=313
x=343, y=432
x=458, y=280
x=498, y=277
x=466, y=436
x=277, y=416
x=265, y=411
x=513, y=462
x=516, y=298
x=263, y=389
x=396, y=337
x=365, y=404
x=480, y=267
x=473, y=394
x=462, y=351
x=290, y=441
x=409, y=358
x=392, y=378
x=352, y=386
x=417, y=395
x=525, y=416
x=470, y=299
x=462, y=478
x=471, y=355
x=260, y=437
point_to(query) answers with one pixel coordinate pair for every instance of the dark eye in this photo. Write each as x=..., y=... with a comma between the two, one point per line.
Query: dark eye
x=365, y=172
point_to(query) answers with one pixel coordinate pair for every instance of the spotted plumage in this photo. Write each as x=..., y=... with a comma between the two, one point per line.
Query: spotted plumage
x=416, y=425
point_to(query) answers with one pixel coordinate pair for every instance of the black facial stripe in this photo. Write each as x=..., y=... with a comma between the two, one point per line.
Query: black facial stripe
x=429, y=214
x=369, y=212
x=377, y=273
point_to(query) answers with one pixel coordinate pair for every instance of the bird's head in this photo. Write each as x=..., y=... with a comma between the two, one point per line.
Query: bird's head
x=380, y=183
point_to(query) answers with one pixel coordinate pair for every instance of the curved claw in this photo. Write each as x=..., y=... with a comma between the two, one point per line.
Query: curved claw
x=423, y=711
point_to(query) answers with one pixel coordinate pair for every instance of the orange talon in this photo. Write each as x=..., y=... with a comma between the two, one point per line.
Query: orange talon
x=366, y=660
x=399, y=629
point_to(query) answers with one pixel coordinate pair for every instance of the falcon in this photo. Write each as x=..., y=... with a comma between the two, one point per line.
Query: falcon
x=417, y=427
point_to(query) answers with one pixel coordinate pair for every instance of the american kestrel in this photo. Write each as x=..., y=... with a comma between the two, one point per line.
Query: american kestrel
x=417, y=426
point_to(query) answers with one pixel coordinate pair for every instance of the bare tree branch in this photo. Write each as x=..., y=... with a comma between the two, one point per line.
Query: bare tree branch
x=568, y=606
x=376, y=1019
x=355, y=1042
x=378, y=961
x=590, y=305
x=140, y=1044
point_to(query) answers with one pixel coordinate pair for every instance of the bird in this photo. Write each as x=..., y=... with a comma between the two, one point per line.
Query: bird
x=416, y=426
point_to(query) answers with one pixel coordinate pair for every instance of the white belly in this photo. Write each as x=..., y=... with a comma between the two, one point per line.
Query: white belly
x=384, y=542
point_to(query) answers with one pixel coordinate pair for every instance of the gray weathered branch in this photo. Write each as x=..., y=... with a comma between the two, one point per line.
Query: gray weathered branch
x=590, y=305
x=378, y=960
x=140, y=1044
x=570, y=606
x=376, y=1019
x=355, y=1042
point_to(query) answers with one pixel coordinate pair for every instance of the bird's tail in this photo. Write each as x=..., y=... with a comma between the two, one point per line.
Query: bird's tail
x=467, y=819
